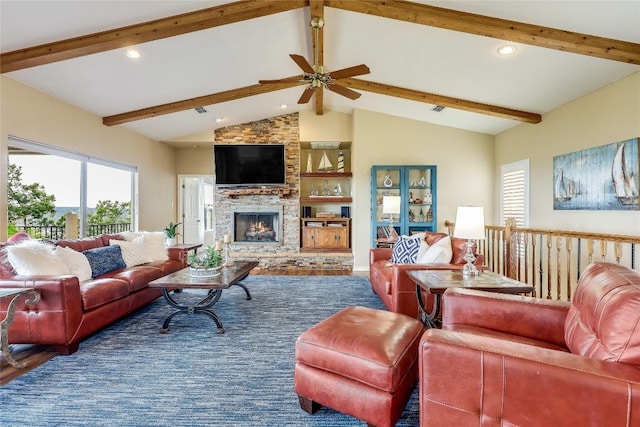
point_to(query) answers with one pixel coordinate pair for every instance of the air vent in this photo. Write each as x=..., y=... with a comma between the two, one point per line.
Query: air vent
x=200, y=110
x=438, y=108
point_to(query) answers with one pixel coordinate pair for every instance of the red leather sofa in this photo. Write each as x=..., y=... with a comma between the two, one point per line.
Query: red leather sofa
x=520, y=361
x=392, y=285
x=69, y=310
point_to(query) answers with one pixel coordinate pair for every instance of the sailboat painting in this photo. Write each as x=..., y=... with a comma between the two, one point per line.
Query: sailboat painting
x=599, y=178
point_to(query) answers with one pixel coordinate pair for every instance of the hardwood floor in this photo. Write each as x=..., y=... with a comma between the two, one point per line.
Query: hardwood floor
x=36, y=355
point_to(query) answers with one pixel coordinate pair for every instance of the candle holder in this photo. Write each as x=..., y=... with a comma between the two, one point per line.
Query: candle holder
x=228, y=262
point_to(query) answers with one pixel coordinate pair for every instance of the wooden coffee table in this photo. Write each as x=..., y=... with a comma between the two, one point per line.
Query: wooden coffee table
x=435, y=282
x=229, y=276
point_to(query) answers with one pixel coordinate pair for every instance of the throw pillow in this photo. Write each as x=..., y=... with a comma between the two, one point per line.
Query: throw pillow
x=104, y=259
x=34, y=258
x=405, y=250
x=76, y=261
x=155, y=243
x=133, y=252
x=438, y=253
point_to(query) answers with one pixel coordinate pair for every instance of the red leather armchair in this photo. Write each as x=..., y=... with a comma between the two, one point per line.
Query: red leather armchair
x=520, y=361
x=392, y=285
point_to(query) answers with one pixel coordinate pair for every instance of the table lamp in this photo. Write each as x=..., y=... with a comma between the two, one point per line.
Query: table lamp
x=469, y=225
x=391, y=205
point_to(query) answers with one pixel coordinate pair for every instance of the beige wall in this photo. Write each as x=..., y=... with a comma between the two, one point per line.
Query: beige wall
x=605, y=116
x=194, y=161
x=33, y=115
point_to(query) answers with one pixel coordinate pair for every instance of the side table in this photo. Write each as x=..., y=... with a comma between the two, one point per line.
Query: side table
x=435, y=282
x=14, y=294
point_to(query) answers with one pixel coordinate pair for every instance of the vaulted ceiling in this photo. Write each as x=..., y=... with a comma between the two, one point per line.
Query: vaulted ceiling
x=212, y=55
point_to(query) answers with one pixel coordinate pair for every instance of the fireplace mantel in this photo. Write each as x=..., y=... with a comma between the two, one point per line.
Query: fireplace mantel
x=233, y=193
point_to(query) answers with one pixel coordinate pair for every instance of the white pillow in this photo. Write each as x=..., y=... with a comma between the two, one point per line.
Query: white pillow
x=34, y=258
x=153, y=240
x=155, y=243
x=134, y=252
x=438, y=253
x=423, y=245
x=76, y=261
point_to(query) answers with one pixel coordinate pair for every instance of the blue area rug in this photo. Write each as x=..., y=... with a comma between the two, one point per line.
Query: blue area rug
x=132, y=375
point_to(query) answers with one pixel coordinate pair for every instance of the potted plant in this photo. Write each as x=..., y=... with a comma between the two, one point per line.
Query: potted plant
x=171, y=232
x=205, y=263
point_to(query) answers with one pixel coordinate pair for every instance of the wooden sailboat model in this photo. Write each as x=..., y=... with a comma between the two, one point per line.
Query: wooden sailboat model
x=325, y=164
x=624, y=183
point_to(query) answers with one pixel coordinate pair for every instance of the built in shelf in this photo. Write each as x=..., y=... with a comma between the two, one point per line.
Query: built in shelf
x=325, y=199
x=328, y=174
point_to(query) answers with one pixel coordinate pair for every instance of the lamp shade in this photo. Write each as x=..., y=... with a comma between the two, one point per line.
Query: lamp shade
x=469, y=223
x=391, y=204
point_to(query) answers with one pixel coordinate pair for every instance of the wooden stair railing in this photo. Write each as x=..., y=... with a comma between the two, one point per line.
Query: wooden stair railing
x=551, y=260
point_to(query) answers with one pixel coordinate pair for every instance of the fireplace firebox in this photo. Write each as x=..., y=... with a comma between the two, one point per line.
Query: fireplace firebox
x=256, y=226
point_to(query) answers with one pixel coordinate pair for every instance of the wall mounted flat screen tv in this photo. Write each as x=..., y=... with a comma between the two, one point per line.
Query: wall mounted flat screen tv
x=249, y=164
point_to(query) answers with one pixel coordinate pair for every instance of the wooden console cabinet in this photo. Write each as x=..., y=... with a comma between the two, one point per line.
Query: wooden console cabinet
x=326, y=234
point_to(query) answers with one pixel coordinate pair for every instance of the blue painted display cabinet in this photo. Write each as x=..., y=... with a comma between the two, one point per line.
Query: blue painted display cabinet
x=417, y=188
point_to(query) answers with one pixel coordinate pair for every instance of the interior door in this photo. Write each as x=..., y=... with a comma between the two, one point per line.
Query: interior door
x=192, y=210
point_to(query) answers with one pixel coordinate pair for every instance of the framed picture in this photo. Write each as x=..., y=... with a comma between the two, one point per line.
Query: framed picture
x=599, y=178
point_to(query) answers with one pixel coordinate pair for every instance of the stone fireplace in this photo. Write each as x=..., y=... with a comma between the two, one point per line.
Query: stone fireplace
x=265, y=225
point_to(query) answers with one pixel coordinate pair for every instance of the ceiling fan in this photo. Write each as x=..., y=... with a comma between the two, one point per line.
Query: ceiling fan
x=317, y=76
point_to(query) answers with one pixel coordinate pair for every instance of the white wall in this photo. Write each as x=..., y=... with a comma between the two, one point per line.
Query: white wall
x=605, y=116
x=33, y=115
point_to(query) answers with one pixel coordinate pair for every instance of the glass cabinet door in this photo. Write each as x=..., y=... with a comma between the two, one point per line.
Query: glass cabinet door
x=420, y=207
x=387, y=183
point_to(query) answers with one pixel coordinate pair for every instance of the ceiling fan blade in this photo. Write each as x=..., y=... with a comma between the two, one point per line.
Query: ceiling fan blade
x=302, y=63
x=351, y=94
x=356, y=70
x=287, y=80
x=306, y=95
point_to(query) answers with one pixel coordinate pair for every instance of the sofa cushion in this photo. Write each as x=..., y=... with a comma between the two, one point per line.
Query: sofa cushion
x=604, y=318
x=137, y=277
x=76, y=261
x=154, y=241
x=102, y=291
x=438, y=253
x=33, y=257
x=104, y=259
x=134, y=252
x=405, y=250
x=83, y=244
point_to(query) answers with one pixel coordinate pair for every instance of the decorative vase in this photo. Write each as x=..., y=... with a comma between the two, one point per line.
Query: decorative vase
x=387, y=181
x=172, y=241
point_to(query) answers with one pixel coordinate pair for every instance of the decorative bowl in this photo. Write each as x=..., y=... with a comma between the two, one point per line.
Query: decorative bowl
x=204, y=272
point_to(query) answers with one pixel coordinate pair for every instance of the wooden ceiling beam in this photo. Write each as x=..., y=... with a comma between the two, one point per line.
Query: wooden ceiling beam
x=536, y=35
x=201, y=101
x=445, y=101
x=316, y=10
x=144, y=32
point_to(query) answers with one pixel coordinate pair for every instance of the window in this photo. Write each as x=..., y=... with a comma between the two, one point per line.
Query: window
x=514, y=192
x=80, y=184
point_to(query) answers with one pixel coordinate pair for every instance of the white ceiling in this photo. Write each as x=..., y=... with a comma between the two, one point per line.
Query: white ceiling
x=408, y=55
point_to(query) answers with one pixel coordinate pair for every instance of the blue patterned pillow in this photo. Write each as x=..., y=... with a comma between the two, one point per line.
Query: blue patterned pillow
x=104, y=259
x=405, y=250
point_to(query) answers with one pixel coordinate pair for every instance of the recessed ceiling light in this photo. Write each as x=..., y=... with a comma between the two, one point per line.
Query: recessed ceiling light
x=507, y=49
x=219, y=119
x=283, y=106
x=132, y=53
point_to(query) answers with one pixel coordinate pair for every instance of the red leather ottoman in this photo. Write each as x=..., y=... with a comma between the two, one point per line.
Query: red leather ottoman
x=361, y=362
